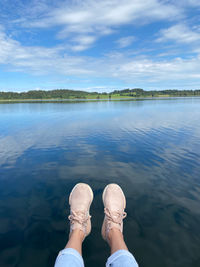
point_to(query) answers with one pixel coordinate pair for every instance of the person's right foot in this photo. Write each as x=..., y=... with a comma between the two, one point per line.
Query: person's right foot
x=114, y=205
x=80, y=200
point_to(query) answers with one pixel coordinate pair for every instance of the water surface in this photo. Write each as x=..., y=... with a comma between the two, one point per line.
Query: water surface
x=150, y=148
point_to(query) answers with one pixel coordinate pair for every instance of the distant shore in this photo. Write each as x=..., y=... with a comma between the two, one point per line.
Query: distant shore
x=61, y=100
x=74, y=95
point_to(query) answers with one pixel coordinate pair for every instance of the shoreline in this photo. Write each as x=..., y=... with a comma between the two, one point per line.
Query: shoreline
x=57, y=100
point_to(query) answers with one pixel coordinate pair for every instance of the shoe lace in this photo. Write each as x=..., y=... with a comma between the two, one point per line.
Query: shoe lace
x=115, y=216
x=78, y=216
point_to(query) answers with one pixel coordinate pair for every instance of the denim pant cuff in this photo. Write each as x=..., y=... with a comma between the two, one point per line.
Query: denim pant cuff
x=115, y=256
x=73, y=252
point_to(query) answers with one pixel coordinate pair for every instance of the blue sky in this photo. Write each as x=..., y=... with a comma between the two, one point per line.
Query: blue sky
x=99, y=45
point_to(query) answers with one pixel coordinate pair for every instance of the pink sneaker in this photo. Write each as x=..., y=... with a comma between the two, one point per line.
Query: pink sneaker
x=80, y=200
x=114, y=205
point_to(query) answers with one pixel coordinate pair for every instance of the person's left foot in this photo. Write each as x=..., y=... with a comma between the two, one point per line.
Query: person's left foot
x=80, y=200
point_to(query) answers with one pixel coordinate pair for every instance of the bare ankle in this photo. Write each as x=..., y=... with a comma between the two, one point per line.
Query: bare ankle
x=78, y=233
x=114, y=232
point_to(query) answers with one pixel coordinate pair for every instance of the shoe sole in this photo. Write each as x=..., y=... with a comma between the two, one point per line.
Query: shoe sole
x=90, y=190
x=104, y=192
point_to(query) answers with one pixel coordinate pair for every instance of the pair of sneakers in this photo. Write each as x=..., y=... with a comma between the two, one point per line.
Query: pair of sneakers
x=80, y=200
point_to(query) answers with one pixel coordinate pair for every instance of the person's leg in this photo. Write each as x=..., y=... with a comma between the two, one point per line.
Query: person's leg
x=112, y=228
x=120, y=256
x=76, y=240
x=80, y=200
x=116, y=240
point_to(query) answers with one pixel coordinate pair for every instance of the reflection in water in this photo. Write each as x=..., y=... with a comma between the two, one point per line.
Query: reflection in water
x=151, y=148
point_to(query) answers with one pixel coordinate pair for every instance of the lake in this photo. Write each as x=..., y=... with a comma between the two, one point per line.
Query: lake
x=151, y=148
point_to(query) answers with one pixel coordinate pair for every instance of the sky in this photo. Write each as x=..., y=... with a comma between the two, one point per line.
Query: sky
x=99, y=45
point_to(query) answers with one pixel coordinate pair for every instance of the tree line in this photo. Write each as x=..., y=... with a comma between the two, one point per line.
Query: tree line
x=73, y=94
x=138, y=92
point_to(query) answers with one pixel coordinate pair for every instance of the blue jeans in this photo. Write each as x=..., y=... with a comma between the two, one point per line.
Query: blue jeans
x=69, y=257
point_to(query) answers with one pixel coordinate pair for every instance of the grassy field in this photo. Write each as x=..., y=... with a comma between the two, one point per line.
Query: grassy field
x=93, y=97
x=89, y=97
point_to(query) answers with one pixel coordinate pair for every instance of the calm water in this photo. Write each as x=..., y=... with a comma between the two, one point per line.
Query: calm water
x=151, y=148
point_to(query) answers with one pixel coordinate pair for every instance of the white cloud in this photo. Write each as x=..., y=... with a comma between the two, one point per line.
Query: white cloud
x=39, y=60
x=82, y=42
x=154, y=71
x=125, y=41
x=82, y=23
x=87, y=19
x=179, y=33
x=99, y=18
x=116, y=66
x=109, y=13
